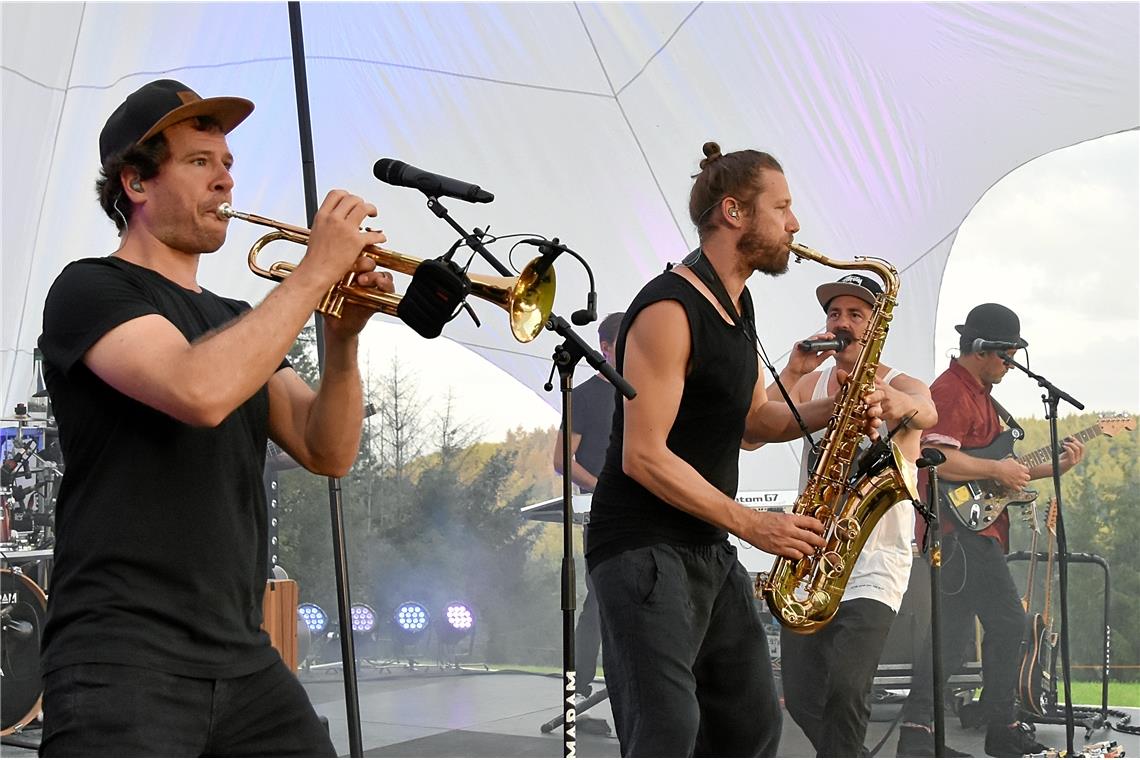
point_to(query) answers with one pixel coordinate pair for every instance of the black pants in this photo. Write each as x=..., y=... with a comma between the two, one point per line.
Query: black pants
x=587, y=640
x=685, y=654
x=98, y=710
x=827, y=676
x=975, y=581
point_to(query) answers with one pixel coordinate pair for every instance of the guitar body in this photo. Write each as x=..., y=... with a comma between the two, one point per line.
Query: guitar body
x=977, y=503
x=1033, y=674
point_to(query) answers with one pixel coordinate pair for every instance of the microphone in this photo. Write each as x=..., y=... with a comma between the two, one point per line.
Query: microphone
x=589, y=314
x=980, y=345
x=931, y=457
x=838, y=343
x=404, y=175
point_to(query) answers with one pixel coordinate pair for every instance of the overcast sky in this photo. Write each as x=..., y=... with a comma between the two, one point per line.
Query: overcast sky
x=1057, y=240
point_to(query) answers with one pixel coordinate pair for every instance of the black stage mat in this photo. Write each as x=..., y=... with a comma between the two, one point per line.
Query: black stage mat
x=484, y=744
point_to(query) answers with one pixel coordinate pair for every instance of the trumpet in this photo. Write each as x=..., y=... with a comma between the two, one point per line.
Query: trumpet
x=528, y=299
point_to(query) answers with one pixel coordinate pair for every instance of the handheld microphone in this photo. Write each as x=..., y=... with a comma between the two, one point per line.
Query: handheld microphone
x=838, y=343
x=980, y=345
x=404, y=175
x=931, y=457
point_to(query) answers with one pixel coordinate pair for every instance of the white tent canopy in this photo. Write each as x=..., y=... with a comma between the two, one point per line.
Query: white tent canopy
x=585, y=120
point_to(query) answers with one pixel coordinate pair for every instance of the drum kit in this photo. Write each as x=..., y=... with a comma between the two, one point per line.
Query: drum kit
x=30, y=472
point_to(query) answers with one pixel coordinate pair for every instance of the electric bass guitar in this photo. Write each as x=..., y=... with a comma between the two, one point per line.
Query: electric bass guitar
x=1038, y=645
x=977, y=503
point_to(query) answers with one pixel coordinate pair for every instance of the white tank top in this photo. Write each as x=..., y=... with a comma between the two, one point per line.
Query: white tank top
x=883, y=568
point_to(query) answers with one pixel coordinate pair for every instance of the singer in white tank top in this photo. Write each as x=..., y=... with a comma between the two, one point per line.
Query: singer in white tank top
x=827, y=675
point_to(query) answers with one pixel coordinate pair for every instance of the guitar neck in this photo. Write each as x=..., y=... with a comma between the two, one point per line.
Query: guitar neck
x=1043, y=454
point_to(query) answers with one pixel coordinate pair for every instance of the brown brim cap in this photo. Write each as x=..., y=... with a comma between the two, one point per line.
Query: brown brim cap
x=159, y=104
x=864, y=288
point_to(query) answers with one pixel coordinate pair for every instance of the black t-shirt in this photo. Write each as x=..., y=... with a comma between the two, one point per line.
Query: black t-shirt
x=706, y=433
x=593, y=408
x=160, y=549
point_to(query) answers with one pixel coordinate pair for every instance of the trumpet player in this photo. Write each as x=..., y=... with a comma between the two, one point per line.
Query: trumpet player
x=827, y=675
x=165, y=394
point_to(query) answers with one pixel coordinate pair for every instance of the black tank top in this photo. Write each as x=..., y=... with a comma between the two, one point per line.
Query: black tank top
x=706, y=433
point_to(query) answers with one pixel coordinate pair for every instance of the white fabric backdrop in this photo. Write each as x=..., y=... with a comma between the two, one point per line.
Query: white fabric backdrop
x=586, y=120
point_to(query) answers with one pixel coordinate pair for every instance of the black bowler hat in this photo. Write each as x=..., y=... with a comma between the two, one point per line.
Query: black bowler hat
x=157, y=105
x=864, y=288
x=992, y=321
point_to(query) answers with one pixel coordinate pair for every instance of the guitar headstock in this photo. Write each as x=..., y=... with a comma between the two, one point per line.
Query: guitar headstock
x=1029, y=515
x=1051, y=517
x=1110, y=426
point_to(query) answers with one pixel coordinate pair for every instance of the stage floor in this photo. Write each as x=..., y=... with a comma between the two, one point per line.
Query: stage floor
x=473, y=713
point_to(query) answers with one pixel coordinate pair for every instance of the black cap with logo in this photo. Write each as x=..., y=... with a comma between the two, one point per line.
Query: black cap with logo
x=159, y=104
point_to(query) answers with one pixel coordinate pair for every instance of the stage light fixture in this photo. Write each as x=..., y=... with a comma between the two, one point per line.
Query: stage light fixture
x=314, y=617
x=460, y=616
x=458, y=624
x=363, y=618
x=412, y=618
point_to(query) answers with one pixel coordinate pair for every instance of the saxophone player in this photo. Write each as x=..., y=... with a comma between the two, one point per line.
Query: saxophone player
x=827, y=675
x=685, y=653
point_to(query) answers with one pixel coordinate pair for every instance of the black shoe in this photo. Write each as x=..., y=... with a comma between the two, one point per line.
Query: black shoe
x=1012, y=741
x=918, y=741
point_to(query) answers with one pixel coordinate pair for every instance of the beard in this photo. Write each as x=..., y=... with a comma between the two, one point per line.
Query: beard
x=762, y=254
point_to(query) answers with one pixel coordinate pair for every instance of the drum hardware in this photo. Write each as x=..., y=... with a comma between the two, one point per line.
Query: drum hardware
x=29, y=475
x=23, y=606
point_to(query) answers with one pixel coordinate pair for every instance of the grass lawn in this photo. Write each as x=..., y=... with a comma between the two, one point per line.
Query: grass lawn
x=1120, y=693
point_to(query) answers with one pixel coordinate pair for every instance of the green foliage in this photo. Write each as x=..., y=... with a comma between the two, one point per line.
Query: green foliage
x=1101, y=513
x=432, y=527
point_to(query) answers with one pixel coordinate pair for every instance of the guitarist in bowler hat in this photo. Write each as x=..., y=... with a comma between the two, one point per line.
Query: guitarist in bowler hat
x=975, y=577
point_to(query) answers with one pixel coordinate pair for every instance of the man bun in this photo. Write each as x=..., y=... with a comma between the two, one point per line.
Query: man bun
x=712, y=153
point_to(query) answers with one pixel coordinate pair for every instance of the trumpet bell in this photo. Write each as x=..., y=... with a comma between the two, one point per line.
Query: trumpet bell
x=531, y=301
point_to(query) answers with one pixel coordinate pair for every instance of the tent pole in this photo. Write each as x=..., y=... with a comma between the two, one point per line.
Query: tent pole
x=336, y=507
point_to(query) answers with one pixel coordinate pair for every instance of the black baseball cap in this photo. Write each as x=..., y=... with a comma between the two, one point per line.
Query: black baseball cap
x=159, y=104
x=864, y=288
x=992, y=321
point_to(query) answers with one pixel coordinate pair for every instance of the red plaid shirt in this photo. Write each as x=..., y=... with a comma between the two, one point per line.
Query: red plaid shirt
x=966, y=420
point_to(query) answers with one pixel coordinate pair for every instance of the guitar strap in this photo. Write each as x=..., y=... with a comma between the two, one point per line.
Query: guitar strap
x=1007, y=418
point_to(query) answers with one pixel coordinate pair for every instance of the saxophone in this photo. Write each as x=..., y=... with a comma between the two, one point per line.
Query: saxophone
x=848, y=497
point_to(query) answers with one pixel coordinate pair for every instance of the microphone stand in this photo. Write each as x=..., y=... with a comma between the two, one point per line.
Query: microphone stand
x=1052, y=398
x=472, y=240
x=930, y=460
x=566, y=357
x=336, y=504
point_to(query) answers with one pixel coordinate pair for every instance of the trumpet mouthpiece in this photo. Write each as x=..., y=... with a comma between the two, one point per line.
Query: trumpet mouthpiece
x=225, y=211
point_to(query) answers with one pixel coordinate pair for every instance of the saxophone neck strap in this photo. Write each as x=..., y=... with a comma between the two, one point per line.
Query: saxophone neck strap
x=700, y=265
x=743, y=319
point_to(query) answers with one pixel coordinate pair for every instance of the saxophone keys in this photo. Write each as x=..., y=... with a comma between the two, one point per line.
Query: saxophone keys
x=823, y=513
x=847, y=528
x=832, y=564
x=793, y=613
